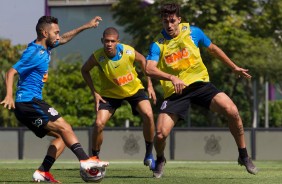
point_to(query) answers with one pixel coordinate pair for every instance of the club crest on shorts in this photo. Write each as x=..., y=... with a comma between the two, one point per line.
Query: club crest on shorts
x=164, y=104
x=53, y=111
x=37, y=122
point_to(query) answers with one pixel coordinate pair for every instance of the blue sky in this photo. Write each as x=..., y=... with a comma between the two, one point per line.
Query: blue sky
x=18, y=19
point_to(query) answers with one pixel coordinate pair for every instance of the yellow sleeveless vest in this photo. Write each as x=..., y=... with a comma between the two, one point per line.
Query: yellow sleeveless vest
x=180, y=57
x=118, y=78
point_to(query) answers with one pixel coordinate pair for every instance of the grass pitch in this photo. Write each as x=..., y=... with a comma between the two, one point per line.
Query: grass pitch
x=133, y=172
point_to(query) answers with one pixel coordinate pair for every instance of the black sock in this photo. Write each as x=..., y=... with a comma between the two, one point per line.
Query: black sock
x=96, y=153
x=243, y=153
x=47, y=163
x=79, y=152
x=160, y=158
x=149, y=147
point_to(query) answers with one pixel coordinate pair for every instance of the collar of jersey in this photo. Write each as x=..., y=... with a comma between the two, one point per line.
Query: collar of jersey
x=38, y=45
x=118, y=55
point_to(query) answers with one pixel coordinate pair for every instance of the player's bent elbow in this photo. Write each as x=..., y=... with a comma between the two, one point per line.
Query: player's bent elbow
x=149, y=71
x=82, y=70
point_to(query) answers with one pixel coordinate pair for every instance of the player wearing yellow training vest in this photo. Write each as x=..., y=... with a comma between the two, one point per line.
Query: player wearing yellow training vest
x=119, y=81
x=180, y=56
x=119, y=78
x=175, y=59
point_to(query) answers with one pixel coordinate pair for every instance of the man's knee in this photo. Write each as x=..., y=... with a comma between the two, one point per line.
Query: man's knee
x=232, y=112
x=160, y=136
x=99, y=125
x=148, y=117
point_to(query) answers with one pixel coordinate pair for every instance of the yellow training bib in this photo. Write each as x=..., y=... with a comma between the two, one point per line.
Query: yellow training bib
x=180, y=57
x=119, y=79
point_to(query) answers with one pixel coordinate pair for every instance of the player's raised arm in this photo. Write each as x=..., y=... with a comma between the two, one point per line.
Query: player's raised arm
x=66, y=37
x=218, y=53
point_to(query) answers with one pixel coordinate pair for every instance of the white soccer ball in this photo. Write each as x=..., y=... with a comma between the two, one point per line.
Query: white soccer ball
x=94, y=175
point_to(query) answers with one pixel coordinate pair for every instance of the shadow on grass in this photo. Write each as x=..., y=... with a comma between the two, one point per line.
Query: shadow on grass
x=127, y=177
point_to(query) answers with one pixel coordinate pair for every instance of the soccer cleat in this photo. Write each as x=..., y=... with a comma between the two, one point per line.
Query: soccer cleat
x=159, y=169
x=41, y=176
x=247, y=162
x=92, y=162
x=103, y=163
x=149, y=161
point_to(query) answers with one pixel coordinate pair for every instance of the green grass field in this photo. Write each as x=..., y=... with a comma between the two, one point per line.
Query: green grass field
x=123, y=172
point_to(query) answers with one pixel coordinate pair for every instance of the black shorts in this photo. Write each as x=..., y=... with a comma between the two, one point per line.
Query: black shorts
x=200, y=93
x=35, y=115
x=113, y=104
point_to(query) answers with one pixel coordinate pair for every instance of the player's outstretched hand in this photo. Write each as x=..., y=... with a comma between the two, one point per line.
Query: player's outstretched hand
x=241, y=72
x=94, y=22
x=8, y=103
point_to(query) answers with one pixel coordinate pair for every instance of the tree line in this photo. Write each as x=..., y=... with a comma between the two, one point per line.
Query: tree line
x=249, y=32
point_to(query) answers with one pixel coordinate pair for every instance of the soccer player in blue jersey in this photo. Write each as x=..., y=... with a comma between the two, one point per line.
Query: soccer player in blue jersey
x=29, y=107
x=174, y=58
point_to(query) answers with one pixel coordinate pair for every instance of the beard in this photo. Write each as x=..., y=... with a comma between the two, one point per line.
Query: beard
x=49, y=43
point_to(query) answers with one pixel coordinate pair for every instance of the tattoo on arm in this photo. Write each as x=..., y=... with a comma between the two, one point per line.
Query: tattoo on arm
x=66, y=37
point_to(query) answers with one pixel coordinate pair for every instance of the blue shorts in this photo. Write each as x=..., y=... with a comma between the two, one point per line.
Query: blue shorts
x=199, y=93
x=35, y=115
x=113, y=104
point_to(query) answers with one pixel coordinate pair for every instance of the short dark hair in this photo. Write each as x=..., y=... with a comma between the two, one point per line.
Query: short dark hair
x=43, y=21
x=169, y=9
x=110, y=31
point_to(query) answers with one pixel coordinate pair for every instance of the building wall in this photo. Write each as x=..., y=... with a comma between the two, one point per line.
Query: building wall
x=128, y=144
x=86, y=42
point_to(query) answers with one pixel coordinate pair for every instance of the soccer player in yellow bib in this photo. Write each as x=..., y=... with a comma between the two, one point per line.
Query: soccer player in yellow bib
x=174, y=58
x=119, y=81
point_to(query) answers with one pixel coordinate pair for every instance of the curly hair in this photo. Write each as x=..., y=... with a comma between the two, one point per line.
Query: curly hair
x=169, y=9
x=43, y=21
